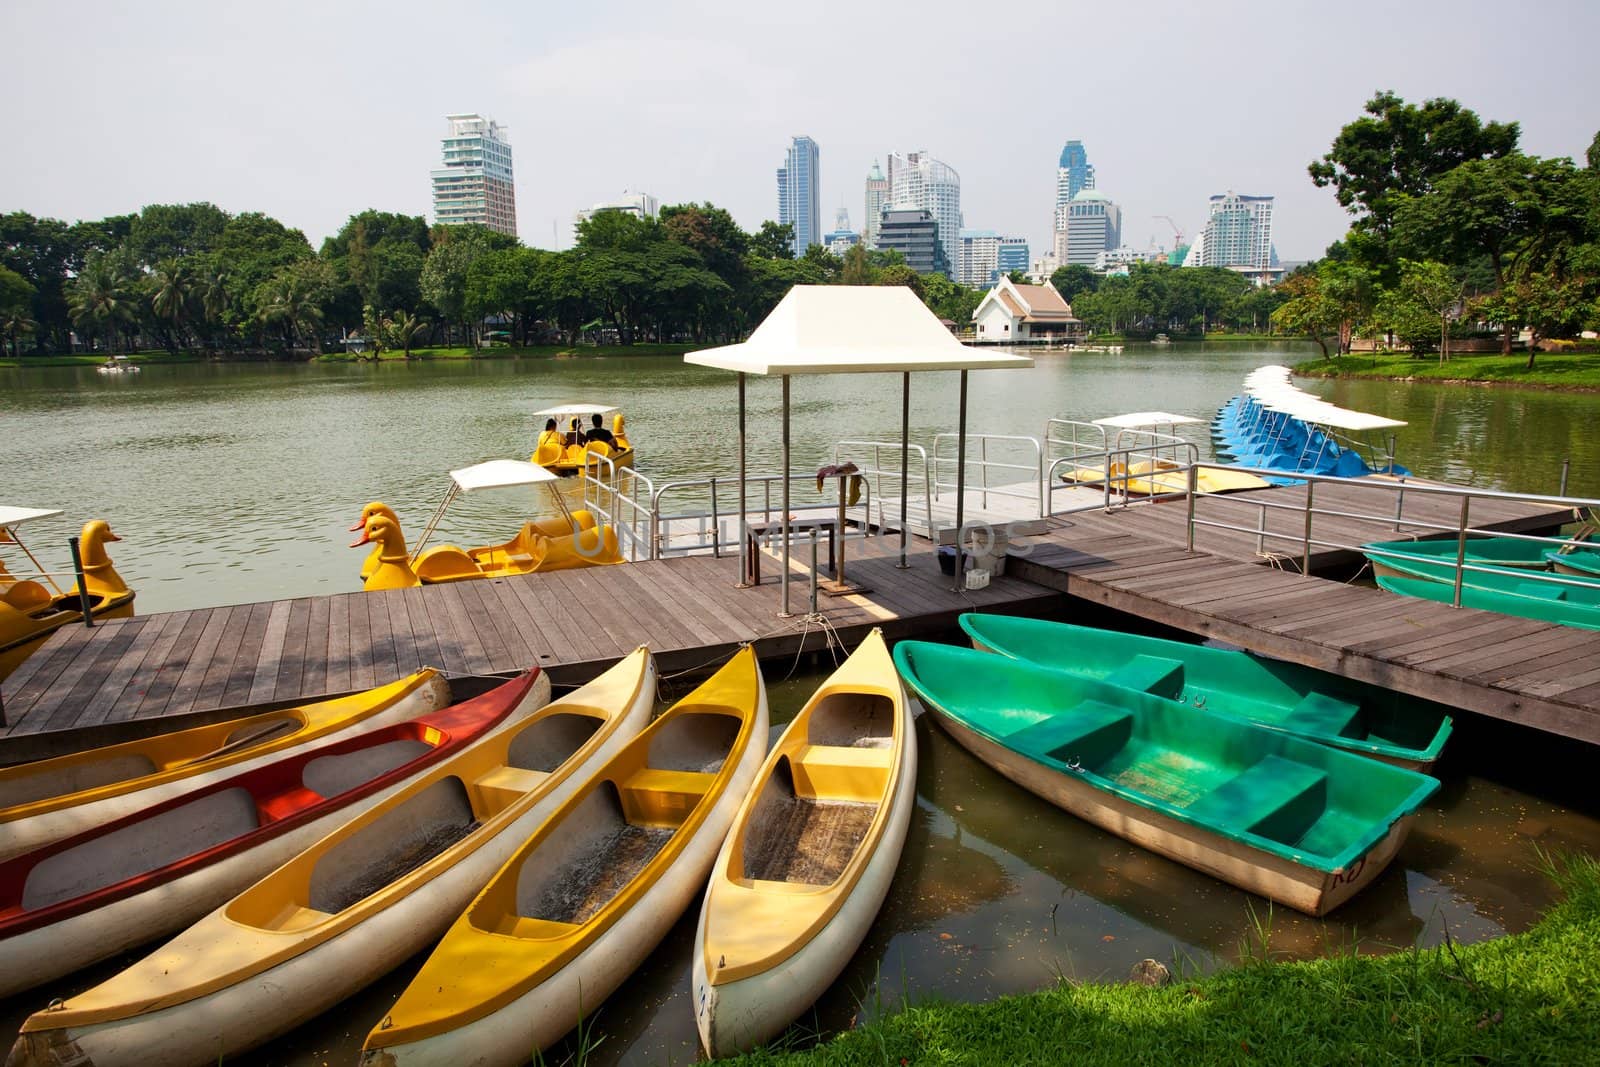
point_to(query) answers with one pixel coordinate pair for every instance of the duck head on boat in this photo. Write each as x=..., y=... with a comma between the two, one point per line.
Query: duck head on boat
x=567, y=540
x=574, y=436
x=31, y=609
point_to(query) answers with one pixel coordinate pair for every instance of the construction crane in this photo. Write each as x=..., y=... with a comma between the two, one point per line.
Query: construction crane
x=1177, y=233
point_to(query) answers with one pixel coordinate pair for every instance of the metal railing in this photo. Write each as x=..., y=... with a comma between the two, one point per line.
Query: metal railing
x=1007, y=445
x=622, y=497
x=882, y=471
x=1141, y=464
x=1303, y=513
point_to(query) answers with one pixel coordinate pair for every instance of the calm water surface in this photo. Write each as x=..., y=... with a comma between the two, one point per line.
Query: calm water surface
x=235, y=483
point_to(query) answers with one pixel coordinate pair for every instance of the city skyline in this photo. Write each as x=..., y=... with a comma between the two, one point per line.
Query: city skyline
x=628, y=99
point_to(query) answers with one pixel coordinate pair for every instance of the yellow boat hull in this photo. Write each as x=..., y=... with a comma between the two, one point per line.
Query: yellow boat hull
x=22, y=632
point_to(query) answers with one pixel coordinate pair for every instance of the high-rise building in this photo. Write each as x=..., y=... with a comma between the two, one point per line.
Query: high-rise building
x=842, y=238
x=877, y=201
x=1074, y=173
x=639, y=205
x=475, y=183
x=917, y=180
x=1013, y=255
x=980, y=258
x=1093, y=224
x=798, y=198
x=1238, y=234
x=914, y=233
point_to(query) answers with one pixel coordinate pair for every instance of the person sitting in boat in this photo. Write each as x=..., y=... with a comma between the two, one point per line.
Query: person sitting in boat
x=575, y=433
x=600, y=433
x=551, y=436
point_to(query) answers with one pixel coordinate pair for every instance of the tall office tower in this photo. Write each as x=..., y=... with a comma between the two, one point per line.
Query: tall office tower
x=1093, y=224
x=1074, y=173
x=980, y=259
x=1013, y=255
x=798, y=195
x=877, y=202
x=917, y=180
x=475, y=184
x=1237, y=234
x=914, y=233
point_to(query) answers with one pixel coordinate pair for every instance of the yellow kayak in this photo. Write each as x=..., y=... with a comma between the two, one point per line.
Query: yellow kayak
x=810, y=856
x=44, y=801
x=354, y=905
x=587, y=898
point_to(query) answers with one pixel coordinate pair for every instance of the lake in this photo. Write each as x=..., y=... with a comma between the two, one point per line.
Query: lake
x=232, y=483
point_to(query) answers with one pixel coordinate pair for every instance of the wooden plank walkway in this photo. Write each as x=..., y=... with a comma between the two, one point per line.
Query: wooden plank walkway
x=133, y=677
x=1520, y=670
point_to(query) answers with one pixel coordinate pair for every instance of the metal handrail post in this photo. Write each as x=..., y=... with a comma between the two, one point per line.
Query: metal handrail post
x=905, y=459
x=1566, y=468
x=716, y=523
x=1461, y=550
x=1194, y=481
x=1305, y=556
x=814, y=570
x=85, y=605
x=744, y=537
x=1399, y=502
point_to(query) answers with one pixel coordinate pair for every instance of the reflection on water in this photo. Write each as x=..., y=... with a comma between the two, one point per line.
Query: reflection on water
x=999, y=892
x=233, y=483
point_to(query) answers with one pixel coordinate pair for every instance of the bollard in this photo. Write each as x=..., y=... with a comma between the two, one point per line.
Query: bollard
x=1566, y=468
x=84, y=603
x=813, y=570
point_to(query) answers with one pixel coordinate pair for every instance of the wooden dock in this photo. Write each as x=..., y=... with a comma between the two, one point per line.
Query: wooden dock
x=150, y=673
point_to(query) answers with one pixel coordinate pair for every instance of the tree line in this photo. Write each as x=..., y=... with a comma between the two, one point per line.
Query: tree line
x=1454, y=229
x=194, y=277
x=1159, y=298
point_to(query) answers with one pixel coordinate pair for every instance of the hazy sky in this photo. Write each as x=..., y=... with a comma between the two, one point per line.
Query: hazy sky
x=312, y=111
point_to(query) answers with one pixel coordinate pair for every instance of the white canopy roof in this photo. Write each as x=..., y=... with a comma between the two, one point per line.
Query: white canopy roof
x=12, y=516
x=1136, y=419
x=850, y=329
x=501, y=474
x=575, y=409
x=1272, y=387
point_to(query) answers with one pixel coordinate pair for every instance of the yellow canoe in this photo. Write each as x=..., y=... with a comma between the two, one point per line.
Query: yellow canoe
x=810, y=857
x=581, y=905
x=354, y=905
x=48, y=800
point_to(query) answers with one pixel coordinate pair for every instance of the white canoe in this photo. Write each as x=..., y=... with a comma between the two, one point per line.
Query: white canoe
x=56, y=798
x=581, y=905
x=84, y=899
x=353, y=906
x=810, y=857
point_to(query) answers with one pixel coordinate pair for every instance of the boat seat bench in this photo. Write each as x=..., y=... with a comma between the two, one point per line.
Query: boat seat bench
x=1320, y=713
x=505, y=785
x=841, y=772
x=1275, y=797
x=655, y=797
x=1087, y=733
x=1160, y=675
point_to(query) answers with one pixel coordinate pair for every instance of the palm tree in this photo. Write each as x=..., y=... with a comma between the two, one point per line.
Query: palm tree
x=103, y=299
x=211, y=289
x=292, y=308
x=406, y=328
x=172, y=289
x=14, y=324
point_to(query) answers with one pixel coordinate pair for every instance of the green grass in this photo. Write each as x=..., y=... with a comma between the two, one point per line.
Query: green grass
x=1551, y=370
x=1526, y=998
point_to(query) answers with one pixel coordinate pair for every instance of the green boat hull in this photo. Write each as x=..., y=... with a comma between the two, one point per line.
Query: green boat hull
x=1545, y=601
x=1576, y=564
x=1302, y=823
x=1280, y=696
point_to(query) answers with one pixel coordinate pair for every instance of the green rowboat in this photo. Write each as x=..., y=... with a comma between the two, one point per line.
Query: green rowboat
x=1300, y=823
x=1579, y=564
x=1437, y=559
x=1280, y=696
x=1547, y=601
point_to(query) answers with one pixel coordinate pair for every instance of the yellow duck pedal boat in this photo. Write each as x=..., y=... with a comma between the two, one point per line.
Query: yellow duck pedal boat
x=574, y=437
x=55, y=798
x=810, y=857
x=30, y=612
x=354, y=905
x=582, y=904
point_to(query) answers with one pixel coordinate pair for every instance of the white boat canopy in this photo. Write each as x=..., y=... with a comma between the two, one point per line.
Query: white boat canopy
x=1136, y=419
x=851, y=329
x=1272, y=387
x=13, y=516
x=500, y=474
x=561, y=410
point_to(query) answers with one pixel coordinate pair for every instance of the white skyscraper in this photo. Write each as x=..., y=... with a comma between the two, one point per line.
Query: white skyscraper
x=475, y=183
x=1237, y=234
x=877, y=201
x=917, y=180
x=798, y=195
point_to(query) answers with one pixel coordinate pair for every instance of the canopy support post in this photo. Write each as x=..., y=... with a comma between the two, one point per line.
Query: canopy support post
x=744, y=526
x=784, y=574
x=961, y=483
x=905, y=450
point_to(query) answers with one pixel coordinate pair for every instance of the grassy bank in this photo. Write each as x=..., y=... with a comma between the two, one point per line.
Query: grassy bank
x=1527, y=998
x=1551, y=370
x=153, y=356
x=522, y=352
